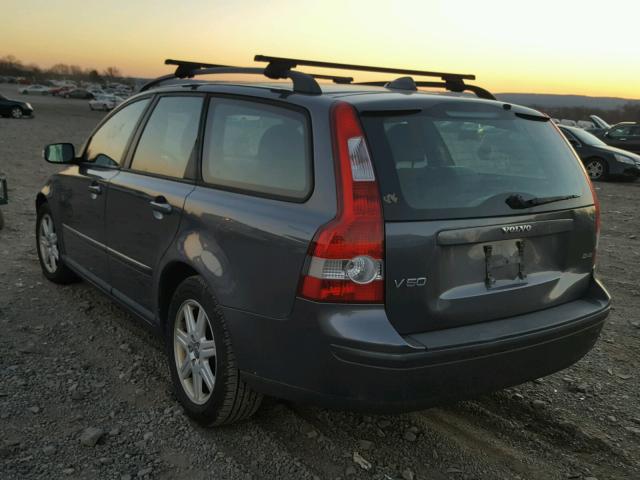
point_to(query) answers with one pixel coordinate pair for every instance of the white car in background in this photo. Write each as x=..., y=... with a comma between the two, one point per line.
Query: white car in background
x=34, y=90
x=105, y=102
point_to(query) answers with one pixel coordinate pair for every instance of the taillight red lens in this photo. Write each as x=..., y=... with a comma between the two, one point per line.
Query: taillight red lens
x=596, y=205
x=347, y=253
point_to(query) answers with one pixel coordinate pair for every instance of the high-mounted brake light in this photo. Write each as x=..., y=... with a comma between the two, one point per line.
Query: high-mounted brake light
x=347, y=254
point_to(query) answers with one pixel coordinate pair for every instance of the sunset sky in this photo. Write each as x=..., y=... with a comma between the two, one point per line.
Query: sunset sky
x=539, y=46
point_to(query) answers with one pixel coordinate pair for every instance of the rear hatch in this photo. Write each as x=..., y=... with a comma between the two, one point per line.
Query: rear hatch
x=488, y=213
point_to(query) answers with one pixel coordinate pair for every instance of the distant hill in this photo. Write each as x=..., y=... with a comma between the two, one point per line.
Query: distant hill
x=565, y=101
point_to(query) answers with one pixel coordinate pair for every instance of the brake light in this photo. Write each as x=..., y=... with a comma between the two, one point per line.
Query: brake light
x=596, y=205
x=347, y=254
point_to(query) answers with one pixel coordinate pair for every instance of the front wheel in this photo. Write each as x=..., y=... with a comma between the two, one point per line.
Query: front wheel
x=597, y=169
x=16, y=112
x=201, y=360
x=49, y=249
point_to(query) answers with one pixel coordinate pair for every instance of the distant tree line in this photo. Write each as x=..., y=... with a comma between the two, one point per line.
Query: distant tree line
x=11, y=66
x=628, y=113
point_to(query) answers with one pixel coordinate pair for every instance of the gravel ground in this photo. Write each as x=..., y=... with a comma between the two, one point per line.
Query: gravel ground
x=84, y=390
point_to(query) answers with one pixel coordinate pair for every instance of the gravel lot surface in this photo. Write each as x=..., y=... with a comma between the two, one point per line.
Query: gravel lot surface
x=84, y=389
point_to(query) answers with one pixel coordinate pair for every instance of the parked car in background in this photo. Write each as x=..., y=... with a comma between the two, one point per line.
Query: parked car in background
x=598, y=122
x=14, y=108
x=105, y=102
x=601, y=160
x=78, y=93
x=4, y=197
x=60, y=90
x=34, y=90
x=585, y=124
x=625, y=135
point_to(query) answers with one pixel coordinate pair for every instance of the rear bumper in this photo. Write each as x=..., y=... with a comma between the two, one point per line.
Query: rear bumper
x=351, y=357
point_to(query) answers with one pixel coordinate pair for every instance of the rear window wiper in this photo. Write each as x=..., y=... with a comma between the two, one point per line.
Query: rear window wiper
x=517, y=201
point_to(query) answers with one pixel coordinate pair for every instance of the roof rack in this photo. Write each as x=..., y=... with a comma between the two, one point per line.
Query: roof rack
x=281, y=68
x=302, y=82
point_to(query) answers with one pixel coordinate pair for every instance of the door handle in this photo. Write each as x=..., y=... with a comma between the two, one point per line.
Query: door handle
x=95, y=189
x=160, y=205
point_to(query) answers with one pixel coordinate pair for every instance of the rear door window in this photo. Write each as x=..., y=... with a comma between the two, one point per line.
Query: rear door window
x=168, y=142
x=257, y=148
x=463, y=159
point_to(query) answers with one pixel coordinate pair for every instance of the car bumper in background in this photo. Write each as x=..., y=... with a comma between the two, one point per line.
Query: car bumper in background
x=350, y=356
x=624, y=170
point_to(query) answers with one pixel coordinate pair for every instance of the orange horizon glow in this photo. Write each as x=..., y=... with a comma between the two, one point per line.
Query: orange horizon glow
x=552, y=47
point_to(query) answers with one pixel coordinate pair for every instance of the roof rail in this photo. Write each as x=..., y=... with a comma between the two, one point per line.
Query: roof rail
x=302, y=82
x=407, y=83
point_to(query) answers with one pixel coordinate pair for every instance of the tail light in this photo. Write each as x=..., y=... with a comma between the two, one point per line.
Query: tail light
x=596, y=205
x=347, y=254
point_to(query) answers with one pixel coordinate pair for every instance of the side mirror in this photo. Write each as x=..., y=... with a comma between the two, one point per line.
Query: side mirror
x=59, y=153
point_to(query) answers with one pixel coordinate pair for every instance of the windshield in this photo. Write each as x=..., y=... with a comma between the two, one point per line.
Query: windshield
x=459, y=160
x=2, y=97
x=587, y=138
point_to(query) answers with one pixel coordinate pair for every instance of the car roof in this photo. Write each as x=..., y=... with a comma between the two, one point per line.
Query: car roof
x=361, y=96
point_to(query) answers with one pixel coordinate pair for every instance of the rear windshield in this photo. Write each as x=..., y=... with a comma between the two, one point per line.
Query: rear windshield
x=462, y=160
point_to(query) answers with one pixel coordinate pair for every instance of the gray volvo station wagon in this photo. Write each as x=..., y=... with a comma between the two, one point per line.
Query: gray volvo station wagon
x=354, y=245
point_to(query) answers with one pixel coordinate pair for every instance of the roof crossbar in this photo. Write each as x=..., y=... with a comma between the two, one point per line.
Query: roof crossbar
x=280, y=63
x=302, y=82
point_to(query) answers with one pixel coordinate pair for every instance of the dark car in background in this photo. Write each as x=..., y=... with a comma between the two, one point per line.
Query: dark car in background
x=624, y=135
x=601, y=160
x=80, y=93
x=358, y=246
x=14, y=108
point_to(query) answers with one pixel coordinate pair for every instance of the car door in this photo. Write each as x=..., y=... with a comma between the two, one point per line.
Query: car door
x=634, y=139
x=5, y=108
x=83, y=191
x=619, y=136
x=145, y=201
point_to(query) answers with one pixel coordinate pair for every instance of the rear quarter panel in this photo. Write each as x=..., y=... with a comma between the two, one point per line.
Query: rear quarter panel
x=251, y=249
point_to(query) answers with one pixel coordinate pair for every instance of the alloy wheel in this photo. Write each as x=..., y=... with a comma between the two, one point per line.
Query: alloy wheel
x=49, y=244
x=16, y=112
x=195, y=352
x=595, y=169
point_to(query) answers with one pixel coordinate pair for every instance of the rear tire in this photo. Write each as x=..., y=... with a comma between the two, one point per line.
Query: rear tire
x=48, y=247
x=203, y=352
x=597, y=169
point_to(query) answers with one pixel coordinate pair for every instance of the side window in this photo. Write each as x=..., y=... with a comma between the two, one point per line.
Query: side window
x=169, y=138
x=621, y=131
x=570, y=136
x=107, y=145
x=257, y=147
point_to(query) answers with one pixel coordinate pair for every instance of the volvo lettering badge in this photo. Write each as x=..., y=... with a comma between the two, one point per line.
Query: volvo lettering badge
x=517, y=228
